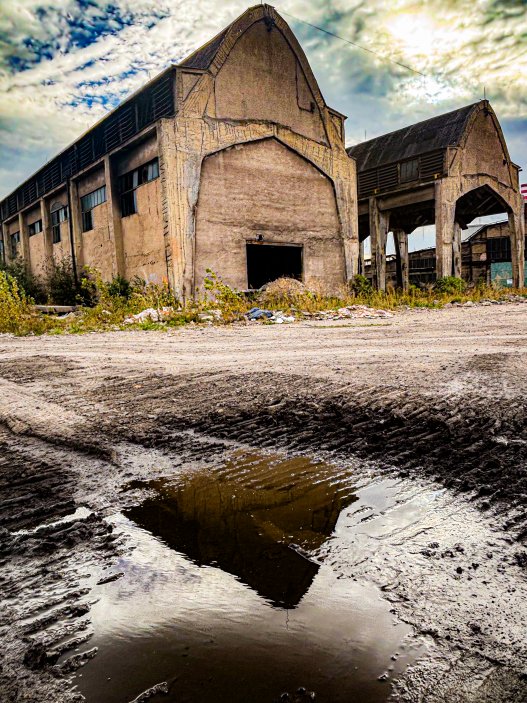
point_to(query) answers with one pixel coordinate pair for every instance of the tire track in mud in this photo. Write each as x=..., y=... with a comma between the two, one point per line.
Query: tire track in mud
x=468, y=443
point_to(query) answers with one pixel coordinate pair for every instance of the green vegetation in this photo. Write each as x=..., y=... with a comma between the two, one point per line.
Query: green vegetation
x=122, y=304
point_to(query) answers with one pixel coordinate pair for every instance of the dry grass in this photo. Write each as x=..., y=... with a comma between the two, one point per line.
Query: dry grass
x=116, y=304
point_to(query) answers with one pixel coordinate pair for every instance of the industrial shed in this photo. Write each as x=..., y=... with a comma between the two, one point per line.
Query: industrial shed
x=230, y=160
x=446, y=171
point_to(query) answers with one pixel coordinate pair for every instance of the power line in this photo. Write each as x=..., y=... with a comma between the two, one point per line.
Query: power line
x=358, y=46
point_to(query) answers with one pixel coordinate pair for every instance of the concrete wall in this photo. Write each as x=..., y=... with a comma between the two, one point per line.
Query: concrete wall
x=262, y=79
x=253, y=91
x=98, y=250
x=483, y=151
x=62, y=249
x=37, y=245
x=143, y=240
x=260, y=189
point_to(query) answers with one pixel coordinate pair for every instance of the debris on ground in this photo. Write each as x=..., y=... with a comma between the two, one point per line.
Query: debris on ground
x=258, y=314
x=150, y=314
x=351, y=312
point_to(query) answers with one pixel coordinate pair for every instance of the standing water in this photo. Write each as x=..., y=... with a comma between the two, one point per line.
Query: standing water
x=226, y=597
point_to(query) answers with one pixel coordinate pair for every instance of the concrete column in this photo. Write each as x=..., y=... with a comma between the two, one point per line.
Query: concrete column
x=4, y=236
x=379, y=224
x=180, y=179
x=456, y=250
x=114, y=219
x=76, y=224
x=517, y=235
x=347, y=207
x=24, y=251
x=445, y=214
x=48, y=242
x=361, y=258
x=400, y=239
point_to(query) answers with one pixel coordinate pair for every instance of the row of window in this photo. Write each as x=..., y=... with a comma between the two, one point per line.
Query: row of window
x=128, y=183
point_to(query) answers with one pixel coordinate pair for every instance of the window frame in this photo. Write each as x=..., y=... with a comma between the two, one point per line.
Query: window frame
x=88, y=202
x=35, y=228
x=130, y=181
x=14, y=241
x=60, y=214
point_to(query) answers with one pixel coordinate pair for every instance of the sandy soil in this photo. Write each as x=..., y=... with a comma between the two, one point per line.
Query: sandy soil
x=435, y=397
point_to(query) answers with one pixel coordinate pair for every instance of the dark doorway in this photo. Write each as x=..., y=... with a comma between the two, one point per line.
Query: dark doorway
x=267, y=262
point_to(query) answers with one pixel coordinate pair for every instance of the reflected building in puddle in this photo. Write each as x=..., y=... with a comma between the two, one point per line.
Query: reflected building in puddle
x=256, y=518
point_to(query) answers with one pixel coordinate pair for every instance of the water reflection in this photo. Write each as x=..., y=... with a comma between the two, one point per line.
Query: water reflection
x=253, y=518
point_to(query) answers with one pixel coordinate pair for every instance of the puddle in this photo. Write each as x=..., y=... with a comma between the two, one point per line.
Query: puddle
x=227, y=597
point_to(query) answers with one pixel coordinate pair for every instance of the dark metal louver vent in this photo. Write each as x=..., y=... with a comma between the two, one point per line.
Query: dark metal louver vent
x=431, y=163
x=385, y=178
x=152, y=103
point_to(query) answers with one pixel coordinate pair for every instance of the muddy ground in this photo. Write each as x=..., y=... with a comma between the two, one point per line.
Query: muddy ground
x=432, y=401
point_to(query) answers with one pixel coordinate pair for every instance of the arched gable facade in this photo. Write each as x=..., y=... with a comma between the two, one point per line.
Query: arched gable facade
x=236, y=97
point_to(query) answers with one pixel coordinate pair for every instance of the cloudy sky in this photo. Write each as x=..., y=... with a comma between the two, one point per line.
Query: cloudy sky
x=64, y=63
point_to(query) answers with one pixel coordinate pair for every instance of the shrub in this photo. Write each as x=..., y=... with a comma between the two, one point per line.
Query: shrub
x=61, y=286
x=360, y=285
x=27, y=282
x=14, y=304
x=119, y=287
x=450, y=285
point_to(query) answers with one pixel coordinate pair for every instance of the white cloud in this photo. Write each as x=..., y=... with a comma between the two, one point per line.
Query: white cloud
x=461, y=45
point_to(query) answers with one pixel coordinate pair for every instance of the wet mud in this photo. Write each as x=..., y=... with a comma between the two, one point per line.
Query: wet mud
x=220, y=530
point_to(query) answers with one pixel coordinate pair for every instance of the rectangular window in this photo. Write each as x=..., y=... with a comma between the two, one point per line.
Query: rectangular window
x=499, y=249
x=409, y=171
x=2, y=251
x=15, y=241
x=132, y=180
x=35, y=228
x=88, y=202
x=60, y=214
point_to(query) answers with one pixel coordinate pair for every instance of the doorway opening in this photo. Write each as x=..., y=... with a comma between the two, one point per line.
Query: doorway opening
x=267, y=262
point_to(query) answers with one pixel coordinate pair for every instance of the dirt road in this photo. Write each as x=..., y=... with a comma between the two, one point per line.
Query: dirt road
x=425, y=411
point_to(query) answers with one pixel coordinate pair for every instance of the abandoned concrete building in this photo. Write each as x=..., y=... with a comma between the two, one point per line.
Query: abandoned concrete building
x=447, y=171
x=485, y=257
x=230, y=160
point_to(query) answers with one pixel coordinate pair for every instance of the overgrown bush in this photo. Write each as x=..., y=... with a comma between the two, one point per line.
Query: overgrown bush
x=27, y=282
x=14, y=305
x=120, y=287
x=360, y=285
x=449, y=285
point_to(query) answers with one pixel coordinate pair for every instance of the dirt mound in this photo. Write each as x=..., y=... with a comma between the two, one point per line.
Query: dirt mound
x=283, y=291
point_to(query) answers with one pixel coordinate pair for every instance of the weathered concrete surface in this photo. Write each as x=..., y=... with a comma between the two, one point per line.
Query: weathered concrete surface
x=259, y=189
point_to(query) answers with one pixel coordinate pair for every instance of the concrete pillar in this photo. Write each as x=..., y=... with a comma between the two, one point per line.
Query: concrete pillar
x=180, y=179
x=48, y=242
x=400, y=239
x=4, y=236
x=76, y=224
x=24, y=252
x=361, y=258
x=114, y=218
x=456, y=250
x=379, y=224
x=445, y=215
x=346, y=203
x=517, y=235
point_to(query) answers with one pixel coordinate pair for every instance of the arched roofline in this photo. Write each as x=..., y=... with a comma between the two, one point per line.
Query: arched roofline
x=266, y=138
x=268, y=14
x=485, y=106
